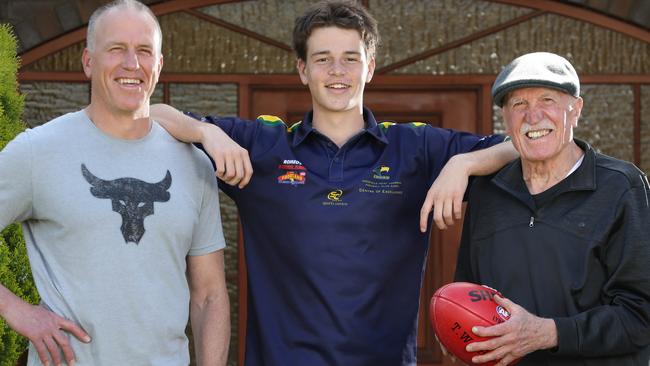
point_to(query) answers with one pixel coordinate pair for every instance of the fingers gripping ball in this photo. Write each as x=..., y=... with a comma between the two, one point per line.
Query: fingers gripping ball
x=457, y=307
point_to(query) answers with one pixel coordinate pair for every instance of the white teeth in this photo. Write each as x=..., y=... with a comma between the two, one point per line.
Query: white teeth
x=337, y=86
x=537, y=134
x=128, y=81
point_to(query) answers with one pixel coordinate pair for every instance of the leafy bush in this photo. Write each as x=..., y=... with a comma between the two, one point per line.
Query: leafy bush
x=15, y=273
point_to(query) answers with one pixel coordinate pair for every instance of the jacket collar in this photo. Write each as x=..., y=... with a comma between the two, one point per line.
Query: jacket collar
x=304, y=128
x=510, y=178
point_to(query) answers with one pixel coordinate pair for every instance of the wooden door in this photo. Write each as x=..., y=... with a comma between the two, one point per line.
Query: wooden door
x=441, y=107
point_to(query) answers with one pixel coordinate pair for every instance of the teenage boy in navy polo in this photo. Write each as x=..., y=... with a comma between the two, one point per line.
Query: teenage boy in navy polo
x=334, y=250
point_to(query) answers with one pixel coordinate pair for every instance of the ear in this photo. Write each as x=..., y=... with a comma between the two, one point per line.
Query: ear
x=86, y=62
x=371, y=69
x=160, y=64
x=577, y=110
x=301, y=66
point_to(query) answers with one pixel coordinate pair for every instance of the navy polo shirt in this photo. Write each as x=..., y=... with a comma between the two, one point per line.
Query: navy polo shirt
x=333, y=247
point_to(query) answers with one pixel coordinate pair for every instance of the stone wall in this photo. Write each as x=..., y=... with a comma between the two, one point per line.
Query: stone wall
x=47, y=100
x=607, y=120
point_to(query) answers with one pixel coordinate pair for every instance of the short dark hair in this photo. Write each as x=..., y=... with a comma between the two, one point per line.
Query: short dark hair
x=342, y=14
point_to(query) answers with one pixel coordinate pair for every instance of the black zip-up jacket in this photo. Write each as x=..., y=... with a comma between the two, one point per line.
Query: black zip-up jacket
x=578, y=253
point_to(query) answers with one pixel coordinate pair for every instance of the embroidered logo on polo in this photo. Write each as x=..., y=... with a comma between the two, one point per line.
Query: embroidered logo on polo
x=380, y=182
x=335, y=198
x=381, y=172
x=292, y=172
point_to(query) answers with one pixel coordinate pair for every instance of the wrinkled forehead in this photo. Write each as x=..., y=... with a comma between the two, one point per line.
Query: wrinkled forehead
x=534, y=92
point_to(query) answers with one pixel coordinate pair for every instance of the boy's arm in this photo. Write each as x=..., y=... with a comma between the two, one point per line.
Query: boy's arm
x=445, y=197
x=232, y=162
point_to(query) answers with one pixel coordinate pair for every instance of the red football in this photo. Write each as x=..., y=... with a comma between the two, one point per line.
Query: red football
x=456, y=308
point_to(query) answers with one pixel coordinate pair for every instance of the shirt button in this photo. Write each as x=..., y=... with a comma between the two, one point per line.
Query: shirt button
x=329, y=144
x=336, y=160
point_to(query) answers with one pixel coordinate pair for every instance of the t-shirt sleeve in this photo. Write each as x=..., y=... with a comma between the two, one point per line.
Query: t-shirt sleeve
x=15, y=181
x=208, y=233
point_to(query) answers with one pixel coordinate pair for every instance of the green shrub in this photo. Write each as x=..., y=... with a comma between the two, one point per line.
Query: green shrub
x=15, y=273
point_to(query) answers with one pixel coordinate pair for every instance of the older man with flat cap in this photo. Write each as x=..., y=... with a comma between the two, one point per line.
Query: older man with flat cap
x=562, y=232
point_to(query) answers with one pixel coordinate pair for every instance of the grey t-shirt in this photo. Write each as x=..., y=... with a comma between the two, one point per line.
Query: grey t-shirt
x=108, y=225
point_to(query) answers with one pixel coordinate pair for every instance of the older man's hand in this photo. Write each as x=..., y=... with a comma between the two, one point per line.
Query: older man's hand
x=520, y=335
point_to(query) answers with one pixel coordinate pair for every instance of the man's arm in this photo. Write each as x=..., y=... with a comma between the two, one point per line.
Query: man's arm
x=42, y=327
x=231, y=160
x=445, y=196
x=209, y=308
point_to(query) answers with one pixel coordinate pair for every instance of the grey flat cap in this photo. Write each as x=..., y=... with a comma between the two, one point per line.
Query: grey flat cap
x=536, y=69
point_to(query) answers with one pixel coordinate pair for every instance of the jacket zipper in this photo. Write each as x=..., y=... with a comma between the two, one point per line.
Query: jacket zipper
x=645, y=183
x=532, y=221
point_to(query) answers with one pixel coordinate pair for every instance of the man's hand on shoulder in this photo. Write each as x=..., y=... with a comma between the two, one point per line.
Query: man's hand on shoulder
x=46, y=330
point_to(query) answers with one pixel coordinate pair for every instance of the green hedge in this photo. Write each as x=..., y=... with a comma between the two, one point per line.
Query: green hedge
x=15, y=273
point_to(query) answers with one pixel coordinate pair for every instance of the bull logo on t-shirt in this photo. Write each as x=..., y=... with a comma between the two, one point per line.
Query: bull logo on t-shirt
x=132, y=198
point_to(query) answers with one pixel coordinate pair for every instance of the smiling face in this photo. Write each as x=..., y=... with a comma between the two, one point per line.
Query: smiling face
x=541, y=121
x=125, y=62
x=336, y=70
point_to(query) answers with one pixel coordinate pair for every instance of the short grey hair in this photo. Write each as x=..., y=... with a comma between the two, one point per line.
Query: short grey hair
x=119, y=4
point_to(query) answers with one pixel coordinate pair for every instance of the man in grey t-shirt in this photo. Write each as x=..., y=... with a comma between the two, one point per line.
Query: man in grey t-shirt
x=121, y=220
